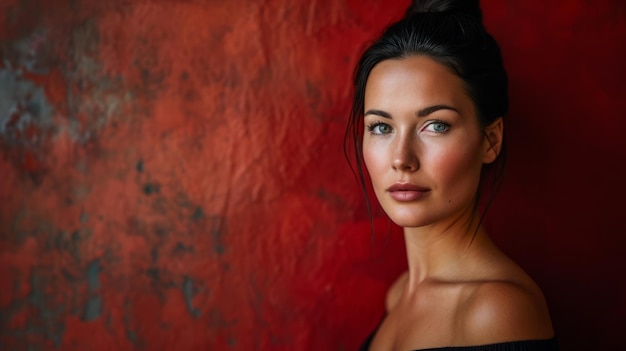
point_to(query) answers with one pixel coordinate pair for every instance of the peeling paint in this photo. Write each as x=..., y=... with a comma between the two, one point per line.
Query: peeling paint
x=49, y=322
x=90, y=92
x=23, y=104
x=93, y=308
x=218, y=233
x=84, y=217
x=32, y=53
x=182, y=248
x=131, y=334
x=198, y=214
x=188, y=293
x=151, y=188
x=93, y=275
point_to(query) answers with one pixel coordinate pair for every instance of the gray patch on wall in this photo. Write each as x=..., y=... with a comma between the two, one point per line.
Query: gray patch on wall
x=89, y=91
x=22, y=103
x=33, y=52
x=94, y=99
x=188, y=293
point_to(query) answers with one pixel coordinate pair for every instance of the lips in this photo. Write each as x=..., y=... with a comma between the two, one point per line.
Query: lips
x=405, y=192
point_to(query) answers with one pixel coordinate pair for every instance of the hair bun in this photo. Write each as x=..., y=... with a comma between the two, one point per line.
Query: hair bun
x=468, y=7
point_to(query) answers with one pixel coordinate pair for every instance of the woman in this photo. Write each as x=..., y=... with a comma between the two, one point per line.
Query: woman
x=427, y=123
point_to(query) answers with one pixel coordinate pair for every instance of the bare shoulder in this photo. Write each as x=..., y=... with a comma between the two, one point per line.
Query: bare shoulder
x=395, y=291
x=499, y=311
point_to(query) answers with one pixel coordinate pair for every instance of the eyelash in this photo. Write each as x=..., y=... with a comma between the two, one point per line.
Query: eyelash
x=447, y=126
x=372, y=126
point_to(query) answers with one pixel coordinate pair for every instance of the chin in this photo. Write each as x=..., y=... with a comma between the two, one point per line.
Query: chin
x=408, y=219
x=410, y=223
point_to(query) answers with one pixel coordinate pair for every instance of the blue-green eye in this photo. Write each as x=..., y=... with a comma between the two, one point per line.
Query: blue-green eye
x=437, y=127
x=379, y=128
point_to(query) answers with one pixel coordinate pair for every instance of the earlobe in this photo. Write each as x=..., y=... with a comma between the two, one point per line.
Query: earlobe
x=493, y=140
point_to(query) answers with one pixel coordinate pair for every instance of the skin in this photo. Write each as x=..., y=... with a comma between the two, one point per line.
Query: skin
x=460, y=289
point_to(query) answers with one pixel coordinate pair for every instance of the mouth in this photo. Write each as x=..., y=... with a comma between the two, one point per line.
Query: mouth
x=405, y=192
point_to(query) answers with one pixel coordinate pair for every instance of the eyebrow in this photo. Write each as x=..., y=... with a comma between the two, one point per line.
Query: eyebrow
x=377, y=113
x=421, y=113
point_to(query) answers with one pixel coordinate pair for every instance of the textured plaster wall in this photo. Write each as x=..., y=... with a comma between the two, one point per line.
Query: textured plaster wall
x=171, y=173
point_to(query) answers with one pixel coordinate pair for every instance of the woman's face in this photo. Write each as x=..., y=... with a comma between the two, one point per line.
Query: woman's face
x=423, y=145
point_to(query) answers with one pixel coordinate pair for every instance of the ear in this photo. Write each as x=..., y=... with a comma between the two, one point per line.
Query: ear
x=493, y=140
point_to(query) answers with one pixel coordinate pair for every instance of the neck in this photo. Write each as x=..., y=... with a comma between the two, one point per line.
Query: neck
x=441, y=251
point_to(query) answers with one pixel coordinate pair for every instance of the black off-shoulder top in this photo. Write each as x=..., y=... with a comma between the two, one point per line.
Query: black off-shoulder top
x=523, y=345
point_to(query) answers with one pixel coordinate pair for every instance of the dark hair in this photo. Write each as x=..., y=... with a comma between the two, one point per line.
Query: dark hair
x=452, y=33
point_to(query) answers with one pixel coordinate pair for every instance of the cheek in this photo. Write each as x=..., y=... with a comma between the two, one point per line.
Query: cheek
x=376, y=160
x=457, y=169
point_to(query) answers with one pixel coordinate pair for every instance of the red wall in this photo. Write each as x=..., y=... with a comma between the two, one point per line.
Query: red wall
x=171, y=173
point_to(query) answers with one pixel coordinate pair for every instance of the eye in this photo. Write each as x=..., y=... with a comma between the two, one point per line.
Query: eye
x=437, y=127
x=379, y=128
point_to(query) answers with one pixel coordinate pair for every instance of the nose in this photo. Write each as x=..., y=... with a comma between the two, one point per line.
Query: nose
x=405, y=155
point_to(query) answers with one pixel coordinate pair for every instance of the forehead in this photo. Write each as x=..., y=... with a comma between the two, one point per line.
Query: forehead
x=414, y=82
